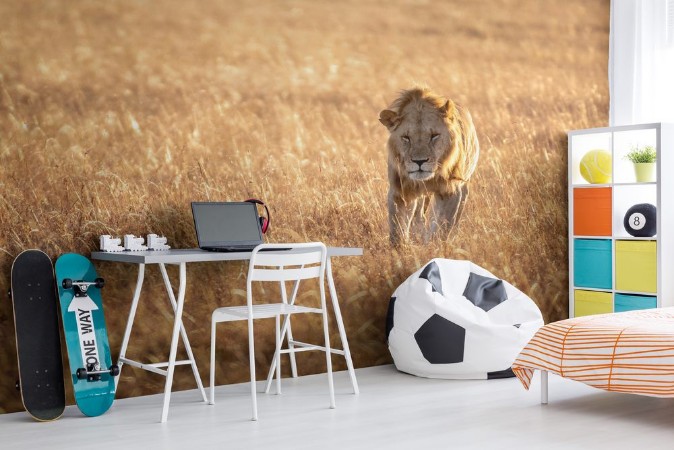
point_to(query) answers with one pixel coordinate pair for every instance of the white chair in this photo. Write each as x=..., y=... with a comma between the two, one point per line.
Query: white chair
x=301, y=262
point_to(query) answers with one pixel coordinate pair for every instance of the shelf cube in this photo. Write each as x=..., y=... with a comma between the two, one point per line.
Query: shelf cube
x=625, y=302
x=592, y=263
x=636, y=266
x=625, y=197
x=592, y=211
x=587, y=303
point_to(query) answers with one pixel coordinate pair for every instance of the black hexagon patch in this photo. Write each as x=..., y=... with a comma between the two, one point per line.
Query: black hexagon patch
x=389, y=316
x=441, y=341
x=432, y=273
x=485, y=292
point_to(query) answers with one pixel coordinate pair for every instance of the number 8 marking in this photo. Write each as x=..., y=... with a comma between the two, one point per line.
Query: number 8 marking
x=637, y=221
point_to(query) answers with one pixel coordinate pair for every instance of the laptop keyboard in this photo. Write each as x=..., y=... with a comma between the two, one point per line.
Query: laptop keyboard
x=242, y=249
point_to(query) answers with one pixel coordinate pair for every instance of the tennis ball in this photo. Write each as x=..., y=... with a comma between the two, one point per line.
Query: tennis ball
x=595, y=166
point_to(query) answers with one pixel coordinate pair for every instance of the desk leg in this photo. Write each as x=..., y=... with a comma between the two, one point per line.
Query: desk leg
x=174, y=342
x=340, y=326
x=183, y=333
x=129, y=322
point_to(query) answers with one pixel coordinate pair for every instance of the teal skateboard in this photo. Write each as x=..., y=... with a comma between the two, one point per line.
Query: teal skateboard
x=91, y=368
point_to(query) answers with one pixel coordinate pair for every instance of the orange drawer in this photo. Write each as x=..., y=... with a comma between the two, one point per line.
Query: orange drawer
x=592, y=211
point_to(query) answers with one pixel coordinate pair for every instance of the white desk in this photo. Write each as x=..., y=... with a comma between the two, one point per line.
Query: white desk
x=181, y=258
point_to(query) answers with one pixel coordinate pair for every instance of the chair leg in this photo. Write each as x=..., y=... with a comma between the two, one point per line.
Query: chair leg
x=328, y=356
x=285, y=331
x=544, y=387
x=212, y=379
x=251, y=353
x=291, y=347
x=287, y=325
x=278, y=355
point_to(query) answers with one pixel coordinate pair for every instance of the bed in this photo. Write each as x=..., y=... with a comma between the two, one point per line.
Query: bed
x=631, y=352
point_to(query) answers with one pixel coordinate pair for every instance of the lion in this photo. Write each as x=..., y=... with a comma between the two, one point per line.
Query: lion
x=432, y=153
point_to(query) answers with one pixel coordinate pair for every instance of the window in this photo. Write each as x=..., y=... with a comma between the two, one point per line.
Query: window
x=641, y=61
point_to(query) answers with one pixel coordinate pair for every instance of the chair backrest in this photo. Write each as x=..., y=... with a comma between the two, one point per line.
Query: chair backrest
x=300, y=262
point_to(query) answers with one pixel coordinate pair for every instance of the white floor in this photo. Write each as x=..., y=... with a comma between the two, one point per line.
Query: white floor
x=393, y=411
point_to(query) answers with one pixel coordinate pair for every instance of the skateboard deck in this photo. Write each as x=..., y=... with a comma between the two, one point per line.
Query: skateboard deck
x=38, y=341
x=91, y=368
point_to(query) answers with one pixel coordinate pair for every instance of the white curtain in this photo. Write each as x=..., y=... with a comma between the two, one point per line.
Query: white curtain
x=641, y=61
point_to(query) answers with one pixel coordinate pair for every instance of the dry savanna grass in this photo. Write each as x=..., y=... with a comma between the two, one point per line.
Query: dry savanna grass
x=115, y=115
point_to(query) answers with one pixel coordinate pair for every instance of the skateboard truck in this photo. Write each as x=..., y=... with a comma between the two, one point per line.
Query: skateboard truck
x=81, y=287
x=93, y=372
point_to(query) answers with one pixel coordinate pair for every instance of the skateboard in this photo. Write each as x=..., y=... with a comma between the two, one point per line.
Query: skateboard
x=38, y=341
x=91, y=367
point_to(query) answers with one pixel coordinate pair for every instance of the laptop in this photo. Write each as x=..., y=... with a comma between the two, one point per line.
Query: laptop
x=227, y=226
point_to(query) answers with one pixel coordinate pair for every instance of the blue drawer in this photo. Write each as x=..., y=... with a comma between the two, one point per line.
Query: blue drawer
x=624, y=302
x=592, y=263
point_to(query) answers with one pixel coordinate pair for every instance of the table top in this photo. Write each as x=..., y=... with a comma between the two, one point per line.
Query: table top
x=175, y=256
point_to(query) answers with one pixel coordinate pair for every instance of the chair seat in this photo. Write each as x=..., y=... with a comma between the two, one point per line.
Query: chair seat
x=261, y=311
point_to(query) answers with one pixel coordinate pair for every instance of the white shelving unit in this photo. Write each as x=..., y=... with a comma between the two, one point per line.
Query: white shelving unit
x=629, y=267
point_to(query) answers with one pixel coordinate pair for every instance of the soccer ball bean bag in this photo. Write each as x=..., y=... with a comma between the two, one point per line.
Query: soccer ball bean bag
x=454, y=319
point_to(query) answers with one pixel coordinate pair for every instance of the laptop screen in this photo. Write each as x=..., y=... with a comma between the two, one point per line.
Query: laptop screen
x=221, y=224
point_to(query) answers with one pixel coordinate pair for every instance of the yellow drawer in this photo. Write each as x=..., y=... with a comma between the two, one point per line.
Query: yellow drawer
x=587, y=303
x=636, y=266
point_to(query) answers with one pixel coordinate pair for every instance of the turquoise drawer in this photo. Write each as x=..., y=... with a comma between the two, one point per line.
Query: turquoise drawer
x=624, y=302
x=592, y=263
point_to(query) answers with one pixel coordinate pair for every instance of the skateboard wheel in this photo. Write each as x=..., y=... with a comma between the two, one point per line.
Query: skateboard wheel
x=67, y=283
x=114, y=370
x=81, y=374
x=99, y=283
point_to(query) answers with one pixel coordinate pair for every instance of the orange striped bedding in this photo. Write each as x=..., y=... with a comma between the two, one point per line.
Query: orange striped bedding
x=629, y=352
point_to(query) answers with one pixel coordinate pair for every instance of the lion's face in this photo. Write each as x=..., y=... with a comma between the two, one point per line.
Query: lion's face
x=420, y=139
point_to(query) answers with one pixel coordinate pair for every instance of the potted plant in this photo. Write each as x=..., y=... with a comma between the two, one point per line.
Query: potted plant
x=643, y=159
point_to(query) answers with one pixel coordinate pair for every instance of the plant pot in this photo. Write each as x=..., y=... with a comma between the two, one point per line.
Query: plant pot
x=645, y=172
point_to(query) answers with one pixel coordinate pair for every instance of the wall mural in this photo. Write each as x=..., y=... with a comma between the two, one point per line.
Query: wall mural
x=115, y=116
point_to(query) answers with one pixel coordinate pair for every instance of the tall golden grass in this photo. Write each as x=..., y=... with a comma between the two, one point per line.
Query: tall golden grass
x=115, y=115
